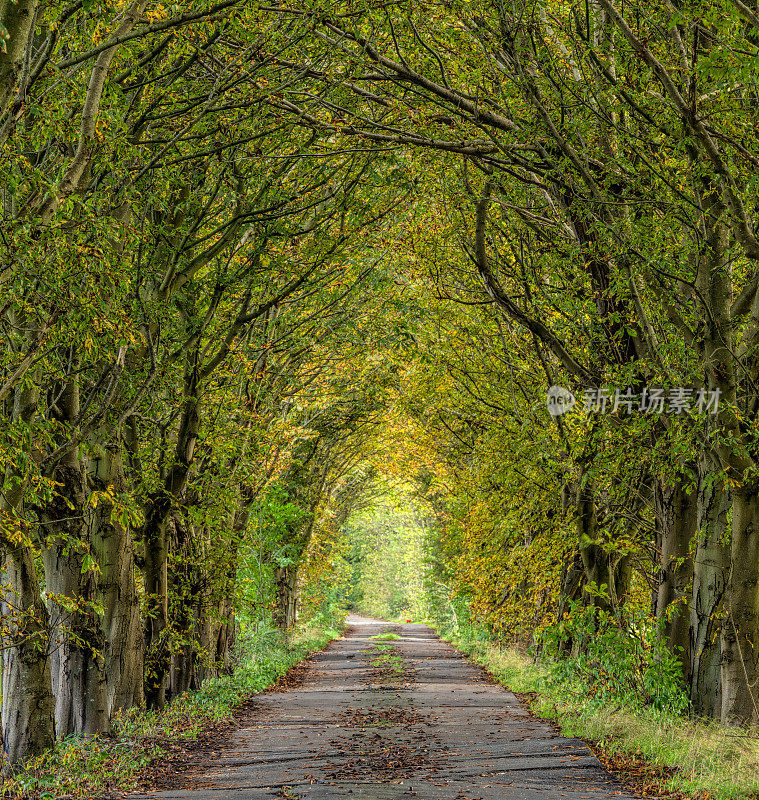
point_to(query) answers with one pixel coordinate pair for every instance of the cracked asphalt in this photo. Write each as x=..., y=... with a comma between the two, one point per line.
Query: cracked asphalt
x=411, y=719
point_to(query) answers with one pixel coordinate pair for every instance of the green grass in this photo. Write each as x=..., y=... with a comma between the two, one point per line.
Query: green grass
x=386, y=637
x=712, y=761
x=81, y=767
x=384, y=657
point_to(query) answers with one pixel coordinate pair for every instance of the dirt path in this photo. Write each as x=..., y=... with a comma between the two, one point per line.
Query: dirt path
x=406, y=718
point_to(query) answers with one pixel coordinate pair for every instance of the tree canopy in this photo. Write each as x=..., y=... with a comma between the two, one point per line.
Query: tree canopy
x=284, y=289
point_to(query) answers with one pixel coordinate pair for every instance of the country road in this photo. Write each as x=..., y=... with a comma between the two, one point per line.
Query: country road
x=399, y=718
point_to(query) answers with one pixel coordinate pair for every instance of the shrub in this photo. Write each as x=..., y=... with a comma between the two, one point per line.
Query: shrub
x=624, y=660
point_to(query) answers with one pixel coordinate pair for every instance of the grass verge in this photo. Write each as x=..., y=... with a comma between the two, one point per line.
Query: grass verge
x=104, y=766
x=654, y=752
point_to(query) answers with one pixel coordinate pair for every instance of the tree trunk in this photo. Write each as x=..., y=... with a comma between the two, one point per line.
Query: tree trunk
x=157, y=660
x=205, y=635
x=116, y=589
x=740, y=631
x=28, y=726
x=571, y=590
x=710, y=576
x=732, y=443
x=676, y=518
x=27, y=702
x=18, y=20
x=77, y=663
x=286, y=596
x=182, y=675
x=155, y=539
x=224, y=641
x=187, y=589
x=602, y=568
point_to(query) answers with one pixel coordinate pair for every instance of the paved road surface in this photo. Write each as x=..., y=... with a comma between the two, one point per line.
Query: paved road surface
x=358, y=728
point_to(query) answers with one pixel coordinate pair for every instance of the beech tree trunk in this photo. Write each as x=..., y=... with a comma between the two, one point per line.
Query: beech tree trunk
x=77, y=663
x=740, y=631
x=225, y=639
x=205, y=637
x=28, y=726
x=18, y=20
x=710, y=575
x=571, y=590
x=155, y=540
x=157, y=658
x=77, y=642
x=116, y=589
x=676, y=516
x=739, y=699
x=188, y=591
x=286, y=596
x=601, y=567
